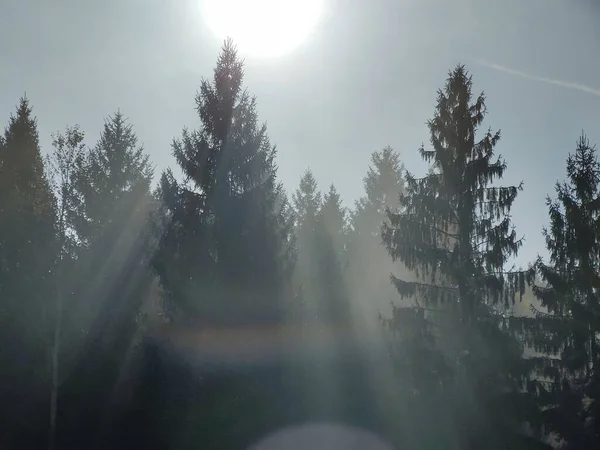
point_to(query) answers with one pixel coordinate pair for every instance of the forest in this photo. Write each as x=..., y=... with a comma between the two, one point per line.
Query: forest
x=205, y=307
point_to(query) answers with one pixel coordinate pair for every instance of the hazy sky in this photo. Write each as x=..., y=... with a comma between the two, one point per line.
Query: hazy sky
x=366, y=78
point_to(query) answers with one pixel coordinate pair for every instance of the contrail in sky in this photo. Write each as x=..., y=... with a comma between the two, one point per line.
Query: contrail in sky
x=564, y=84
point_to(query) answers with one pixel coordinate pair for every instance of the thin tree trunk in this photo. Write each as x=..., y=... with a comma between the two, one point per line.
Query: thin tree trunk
x=57, y=332
x=54, y=386
x=594, y=351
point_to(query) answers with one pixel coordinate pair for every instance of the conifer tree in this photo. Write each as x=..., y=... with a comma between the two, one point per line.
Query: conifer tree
x=28, y=208
x=110, y=206
x=565, y=336
x=307, y=201
x=111, y=201
x=112, y=178
x=331, y=239
x=453, y=230
x=383, y=183
x=27, y=252
x=224, y=257
x=225, y=251
x=334, y=218
x=333, y=383
x=320, y=231
x=369, y=264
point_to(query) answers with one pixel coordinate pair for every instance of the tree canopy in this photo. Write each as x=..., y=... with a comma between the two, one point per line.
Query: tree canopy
x=206, y=309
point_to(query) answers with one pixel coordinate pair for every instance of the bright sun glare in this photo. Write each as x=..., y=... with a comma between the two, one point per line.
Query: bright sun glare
x=263, y=28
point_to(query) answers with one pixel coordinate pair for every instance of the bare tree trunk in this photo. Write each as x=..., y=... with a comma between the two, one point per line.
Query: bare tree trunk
x=54, y=386
x=57, y=332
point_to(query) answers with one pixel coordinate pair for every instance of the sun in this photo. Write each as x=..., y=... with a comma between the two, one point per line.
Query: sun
x=262, y=28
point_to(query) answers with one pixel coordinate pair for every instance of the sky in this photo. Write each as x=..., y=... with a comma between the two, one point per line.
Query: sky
x=365, y=78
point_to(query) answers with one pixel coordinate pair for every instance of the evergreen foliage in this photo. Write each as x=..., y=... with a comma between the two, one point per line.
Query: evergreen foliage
x=307, y=201
x=224, y=258
x=368, y=263
x=320, y=237
x=333, y=216
x=225, y=251
x=331, y=237
x=565, y=336
x=453, y=231
x=111, y=297
x=111, y=178
x=27, y=249
x=104, y=210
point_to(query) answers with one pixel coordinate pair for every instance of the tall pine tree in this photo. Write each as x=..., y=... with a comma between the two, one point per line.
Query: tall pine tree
x=108, y=210
x=225, y=251
x=332, y=385
x=112, y=178
x=320, y=228
x=368, y=262
x=307, y=201
x=331, y=237
x=334, y=218
x=565, y=335
x=27, y=252
x=224, y=259
x=453, y=230
x=383, y=183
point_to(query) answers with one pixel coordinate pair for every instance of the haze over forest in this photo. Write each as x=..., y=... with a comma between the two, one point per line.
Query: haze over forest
x=224, y=292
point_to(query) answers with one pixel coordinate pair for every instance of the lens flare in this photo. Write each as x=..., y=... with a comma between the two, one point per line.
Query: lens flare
x=321, y=437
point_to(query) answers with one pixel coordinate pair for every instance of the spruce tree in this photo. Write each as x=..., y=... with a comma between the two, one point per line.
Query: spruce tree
x=383, y=183
x=28, y=209
x=331, y=237
x=320, y=237
x=453, y=230
x=111, y=201
x=307, y=201
x=27, y=253
x=109, y=208
x=112, y=177
x=225, y=250
x=224, y=258
x=368, y=262
x=332, y=385
x=334, y=218
x=565, y=335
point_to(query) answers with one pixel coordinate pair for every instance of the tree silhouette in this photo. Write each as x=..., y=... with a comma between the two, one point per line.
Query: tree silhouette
x=108, y=209
x=225, y=250
x=369, y=264
x=453, y=230
x=88, y=253
x=27, y=252
x=224, y=258
x=565, y=335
